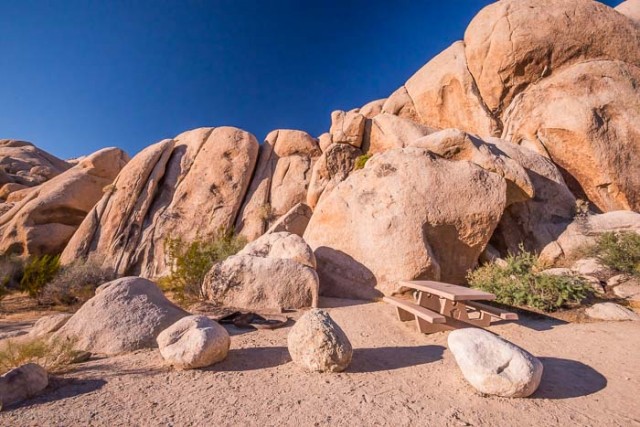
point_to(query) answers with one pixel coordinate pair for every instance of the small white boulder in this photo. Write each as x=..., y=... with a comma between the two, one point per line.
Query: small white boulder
x=318, y=344
x=493, y=365
x=194, y=342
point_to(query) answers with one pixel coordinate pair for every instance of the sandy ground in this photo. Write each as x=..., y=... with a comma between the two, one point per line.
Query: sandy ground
x=398, y=377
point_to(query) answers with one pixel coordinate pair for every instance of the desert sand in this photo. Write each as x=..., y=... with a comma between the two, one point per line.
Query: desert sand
x=397, y=377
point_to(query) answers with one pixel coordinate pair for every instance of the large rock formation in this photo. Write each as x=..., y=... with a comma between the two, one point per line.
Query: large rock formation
x=512, y=44
x=274, y=272
x=587, y=119
x=408, y=214
x=280, y=181
x=443, y=94
x=126, y=314
x=387, y=131
x=49, y=214
x=188, y=187
x=631, y=9
x=25, y=164
x=540, y=220
x=333, y=167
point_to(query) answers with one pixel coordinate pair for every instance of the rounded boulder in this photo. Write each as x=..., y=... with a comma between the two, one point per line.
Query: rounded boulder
x=493, y=365
x=318, y=344
x=194, y=342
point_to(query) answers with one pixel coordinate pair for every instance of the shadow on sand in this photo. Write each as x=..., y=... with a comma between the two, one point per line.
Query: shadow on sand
x=61, y=388
x=390, y=358
x=251, y=359
x=535, y=321
x=564, y=379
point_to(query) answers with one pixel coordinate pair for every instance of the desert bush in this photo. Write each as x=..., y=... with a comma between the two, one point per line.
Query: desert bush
x=519, y=282
x=191, y=261
x=53, y=354
x=618, y=251
x=361, y=161
x=38, y=271
x=76, y=283
x=11, y=268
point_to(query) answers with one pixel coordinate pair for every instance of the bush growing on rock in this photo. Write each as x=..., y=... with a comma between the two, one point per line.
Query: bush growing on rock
x=619, y=251
x=519, y=282
x=76, y=283
x=39, y=271
x=361, y=161
x=191, y=261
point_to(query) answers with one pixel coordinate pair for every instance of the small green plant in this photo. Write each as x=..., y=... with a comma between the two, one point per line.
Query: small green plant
x=39, y=271
x=519, y=282
x=76, y=283
x=361, y=161
x=191, y=261
x=618, y=251
x=53, y=354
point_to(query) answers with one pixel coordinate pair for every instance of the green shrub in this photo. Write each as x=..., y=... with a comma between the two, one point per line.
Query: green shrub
x=191, y=261
x=77, y=282
x=52, y=354
x=518, y=282
x=39, y=271
x=619, y=251
x=361, y=161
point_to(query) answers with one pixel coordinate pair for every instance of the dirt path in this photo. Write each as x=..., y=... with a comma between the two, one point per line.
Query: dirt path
x=398, y=377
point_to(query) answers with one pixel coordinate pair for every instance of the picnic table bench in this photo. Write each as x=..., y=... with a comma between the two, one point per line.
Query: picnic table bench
x=443, y=306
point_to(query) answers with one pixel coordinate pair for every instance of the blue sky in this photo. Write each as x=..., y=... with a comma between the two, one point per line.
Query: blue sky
x=76, y=76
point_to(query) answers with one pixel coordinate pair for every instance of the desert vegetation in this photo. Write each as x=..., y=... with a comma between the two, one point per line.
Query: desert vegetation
x=53, y=354
x=190, y=261
x=361, y=161
x=618, y=251
x=519, y=281
x=76, y=283
x=37, y=272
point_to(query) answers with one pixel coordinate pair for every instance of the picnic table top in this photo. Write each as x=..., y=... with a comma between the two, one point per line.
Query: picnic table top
x=448, y=291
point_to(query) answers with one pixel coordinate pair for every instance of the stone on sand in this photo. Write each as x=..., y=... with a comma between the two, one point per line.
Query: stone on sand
x=318, y=344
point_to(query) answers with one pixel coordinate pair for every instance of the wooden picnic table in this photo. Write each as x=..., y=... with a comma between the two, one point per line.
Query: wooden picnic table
x=442, y=306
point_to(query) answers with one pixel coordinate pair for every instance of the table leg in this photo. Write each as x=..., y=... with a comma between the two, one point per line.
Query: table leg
x=404, y=315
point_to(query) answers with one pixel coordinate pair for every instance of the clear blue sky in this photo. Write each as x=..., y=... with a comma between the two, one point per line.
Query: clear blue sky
x=76, y=76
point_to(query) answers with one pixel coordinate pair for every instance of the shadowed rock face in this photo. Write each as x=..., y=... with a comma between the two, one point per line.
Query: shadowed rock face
x=188, y=187
x=45, y=219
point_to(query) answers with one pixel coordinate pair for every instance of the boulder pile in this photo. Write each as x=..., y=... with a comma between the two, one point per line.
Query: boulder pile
x=492, y=144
